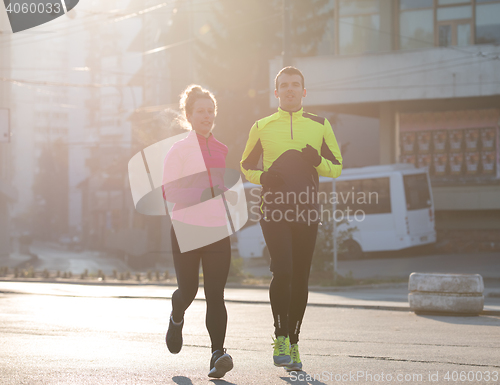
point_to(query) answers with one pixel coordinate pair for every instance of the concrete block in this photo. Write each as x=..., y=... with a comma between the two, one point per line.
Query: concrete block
x=446, y=303
x=446, y=293
x=446, y=283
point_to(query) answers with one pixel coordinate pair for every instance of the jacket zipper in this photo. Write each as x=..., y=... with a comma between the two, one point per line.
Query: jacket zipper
x=291, y=125
x=208, y=170
x=208, y=148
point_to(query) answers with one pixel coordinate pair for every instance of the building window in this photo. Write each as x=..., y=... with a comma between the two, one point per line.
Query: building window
x=456, y=146
x=452, y=2
x=487, y=23
x=454, y=13
x=375, y=191
x=416, y=24
x=359, y=24
x=419, y=24
x=454, y=23
x=427, y=23
x=327, y=45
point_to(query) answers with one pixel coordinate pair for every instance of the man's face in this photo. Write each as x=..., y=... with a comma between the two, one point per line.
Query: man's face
x=290, y=92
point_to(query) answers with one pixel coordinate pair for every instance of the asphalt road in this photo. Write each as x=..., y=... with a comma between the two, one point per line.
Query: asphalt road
x=100, y=339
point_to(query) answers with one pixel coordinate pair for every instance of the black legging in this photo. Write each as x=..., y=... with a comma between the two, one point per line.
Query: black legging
x=291, y=246
x=215, y=259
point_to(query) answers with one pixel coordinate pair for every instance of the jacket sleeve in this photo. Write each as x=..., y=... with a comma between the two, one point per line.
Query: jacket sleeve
x=331, y=159
x=251, y=156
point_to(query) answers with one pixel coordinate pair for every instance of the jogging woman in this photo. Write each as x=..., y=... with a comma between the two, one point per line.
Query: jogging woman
x=193, y=181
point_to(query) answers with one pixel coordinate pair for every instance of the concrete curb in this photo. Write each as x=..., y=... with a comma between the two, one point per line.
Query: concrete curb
x=229, y=285
x=446, y=293
x=327, y=305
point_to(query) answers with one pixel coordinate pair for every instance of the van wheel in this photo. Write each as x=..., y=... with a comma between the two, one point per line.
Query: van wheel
x=353, y=250
x=266, y=255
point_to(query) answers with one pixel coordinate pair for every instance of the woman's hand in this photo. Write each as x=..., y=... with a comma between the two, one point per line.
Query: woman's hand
x=231, y=197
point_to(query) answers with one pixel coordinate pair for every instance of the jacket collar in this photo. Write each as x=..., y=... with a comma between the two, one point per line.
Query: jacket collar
x=277, y=115
x=201, y=138
x=295, y=114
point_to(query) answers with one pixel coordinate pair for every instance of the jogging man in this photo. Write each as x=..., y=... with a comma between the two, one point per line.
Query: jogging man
x=296, y=147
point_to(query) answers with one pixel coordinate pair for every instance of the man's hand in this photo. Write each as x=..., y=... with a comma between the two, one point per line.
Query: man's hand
x=271, y=179
x=311, y=156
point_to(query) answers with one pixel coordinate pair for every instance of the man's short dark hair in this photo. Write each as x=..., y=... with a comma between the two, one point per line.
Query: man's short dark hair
x=289, y=71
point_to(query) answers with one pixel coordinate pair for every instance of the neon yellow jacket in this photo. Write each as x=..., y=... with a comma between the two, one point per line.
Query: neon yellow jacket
x=279, y=139
x=283, y=131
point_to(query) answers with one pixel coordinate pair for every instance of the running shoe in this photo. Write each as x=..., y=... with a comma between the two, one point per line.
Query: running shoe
x=174, y=336
x=296, y=364
x=281, y=355
x=220, y=364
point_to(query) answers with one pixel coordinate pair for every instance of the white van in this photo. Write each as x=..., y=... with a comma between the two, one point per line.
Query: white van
x=391, y=207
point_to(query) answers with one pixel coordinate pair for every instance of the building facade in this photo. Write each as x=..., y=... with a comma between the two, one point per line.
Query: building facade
x=429, y=71
x=7, y=191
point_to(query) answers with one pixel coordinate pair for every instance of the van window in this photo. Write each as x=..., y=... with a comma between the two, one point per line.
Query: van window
x=417, y=192
x=372, y=195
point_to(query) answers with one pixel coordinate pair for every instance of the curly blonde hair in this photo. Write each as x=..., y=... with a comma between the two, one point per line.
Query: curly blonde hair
x=191, y=94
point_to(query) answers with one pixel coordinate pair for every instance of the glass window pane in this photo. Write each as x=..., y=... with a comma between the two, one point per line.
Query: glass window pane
x=454, y=13
x=346, y=189
x=417, y=192
x=447, y=2
x=377, y=193
x=417, y=29
x=373, y=196
x=358, y=34
x=463, y=35
x=488, y=24
x=415, y=4
x=357, y=7
x=444, y=35
x=327, y=45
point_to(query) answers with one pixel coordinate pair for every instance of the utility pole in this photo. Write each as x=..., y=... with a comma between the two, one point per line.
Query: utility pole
x=334, y=235
x=7, y=191
x=287, y=52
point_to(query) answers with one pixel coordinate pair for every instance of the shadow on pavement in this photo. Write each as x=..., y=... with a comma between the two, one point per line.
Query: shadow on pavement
x=181, y=380
x=303, y=378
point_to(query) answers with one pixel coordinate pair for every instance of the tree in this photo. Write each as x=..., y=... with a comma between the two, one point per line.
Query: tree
x=245, y=35
x=232, y=56
x=323, y=253
x=51, y=191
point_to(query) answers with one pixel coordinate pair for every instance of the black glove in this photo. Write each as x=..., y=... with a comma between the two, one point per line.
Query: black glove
x=311, y=156
x=271, y=179
x=207, y=193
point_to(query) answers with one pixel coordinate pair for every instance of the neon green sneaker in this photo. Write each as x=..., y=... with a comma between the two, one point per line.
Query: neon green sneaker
x=281, y=355
x=296, y=364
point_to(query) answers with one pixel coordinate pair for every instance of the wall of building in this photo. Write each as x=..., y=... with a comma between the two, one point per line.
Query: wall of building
x=7, y=193
x=433, y=73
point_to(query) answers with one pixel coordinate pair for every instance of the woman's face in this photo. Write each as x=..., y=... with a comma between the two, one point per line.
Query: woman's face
x=203, y=116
